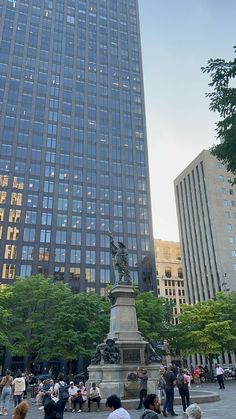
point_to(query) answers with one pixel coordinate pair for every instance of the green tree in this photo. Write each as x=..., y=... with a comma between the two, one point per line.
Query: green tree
x=48, y=321
x=223, y=101
x=153, y=316
x=207, y=328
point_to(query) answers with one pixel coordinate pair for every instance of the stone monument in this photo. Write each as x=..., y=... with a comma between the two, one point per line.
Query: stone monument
x=117, y=359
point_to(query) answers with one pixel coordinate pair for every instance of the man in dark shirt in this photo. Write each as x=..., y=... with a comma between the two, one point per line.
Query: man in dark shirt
x=170, y=379
x=143, y=379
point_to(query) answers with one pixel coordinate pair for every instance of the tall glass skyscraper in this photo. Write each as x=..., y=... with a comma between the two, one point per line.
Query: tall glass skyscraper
x=73, y=149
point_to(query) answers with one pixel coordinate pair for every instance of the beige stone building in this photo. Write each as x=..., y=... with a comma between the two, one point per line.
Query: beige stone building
x=206, y=212
x=170, y=282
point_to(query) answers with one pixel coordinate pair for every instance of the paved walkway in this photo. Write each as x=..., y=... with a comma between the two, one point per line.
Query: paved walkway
x=223, y=409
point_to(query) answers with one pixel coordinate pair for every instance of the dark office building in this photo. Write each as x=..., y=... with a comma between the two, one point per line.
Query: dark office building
x=73, y=148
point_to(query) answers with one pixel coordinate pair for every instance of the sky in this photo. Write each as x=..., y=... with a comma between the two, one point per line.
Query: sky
x=178, y=38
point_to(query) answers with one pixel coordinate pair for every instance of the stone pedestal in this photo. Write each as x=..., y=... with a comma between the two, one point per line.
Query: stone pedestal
x=113, y=378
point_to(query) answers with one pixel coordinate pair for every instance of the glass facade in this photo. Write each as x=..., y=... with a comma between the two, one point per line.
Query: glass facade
x=73, y=150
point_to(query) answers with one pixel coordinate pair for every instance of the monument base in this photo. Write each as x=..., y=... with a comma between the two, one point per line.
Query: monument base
x=113, y=379
x=117, y=374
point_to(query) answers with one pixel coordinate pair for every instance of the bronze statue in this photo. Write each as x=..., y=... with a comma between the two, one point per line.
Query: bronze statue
x=120, y=259
x=150, y=354
x=111, y=354
x=106, y=353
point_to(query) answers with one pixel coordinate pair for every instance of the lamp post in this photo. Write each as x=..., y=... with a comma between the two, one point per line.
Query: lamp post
x=224, y=284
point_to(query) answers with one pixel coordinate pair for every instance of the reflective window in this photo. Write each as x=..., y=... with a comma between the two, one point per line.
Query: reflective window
x=3, y=197
x=10, y=252
x=18, y=182
x=45, y=236
x=32, y=201
x=4, y=180
x=105, y=258
x=105, y=276
x=27, y=252
x=61, y=220
x=76, y=221
x=74, y=273
x=29, y=234
x=229, y=227
x=30, y=217
x=14, y=216
x=60, y=255
x=76, y=206
x=12, y=233
x=8, y=271
x=25, y=270
x=75, y=256
x=44, y=253
x=90, y=257
x=34, y=184
x=62, y=204
x=46, y=218
x=47, y=202
x=76, y=238
x=61, y=237
x=1, y=214
x=16, y=198
x=90, y=275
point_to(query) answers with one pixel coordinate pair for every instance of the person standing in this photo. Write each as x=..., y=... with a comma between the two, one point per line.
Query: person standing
x=18, y=386
x=220, y=376
x=170, y=384
x=152, y=407
x=196, y=375
x=182, y=383
x=161, y=385
x=5, y=384
x=61, y=391
x=117, y=411
x=143, y=379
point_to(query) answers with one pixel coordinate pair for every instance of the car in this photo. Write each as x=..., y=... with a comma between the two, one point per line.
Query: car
x=229, y=372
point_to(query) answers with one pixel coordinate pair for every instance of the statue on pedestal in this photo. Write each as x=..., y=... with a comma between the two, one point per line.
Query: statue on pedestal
x=120, y=259
x=106, y=353
x=150, y=354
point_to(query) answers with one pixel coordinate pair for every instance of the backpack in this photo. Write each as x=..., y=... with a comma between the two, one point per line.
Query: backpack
x=180, y=380
x=63, y=392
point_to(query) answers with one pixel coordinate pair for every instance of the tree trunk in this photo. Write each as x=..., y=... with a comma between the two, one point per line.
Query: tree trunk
x=70, y=366
x=211, y=367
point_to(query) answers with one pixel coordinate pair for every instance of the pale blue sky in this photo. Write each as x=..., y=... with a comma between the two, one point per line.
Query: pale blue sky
x=178, y=37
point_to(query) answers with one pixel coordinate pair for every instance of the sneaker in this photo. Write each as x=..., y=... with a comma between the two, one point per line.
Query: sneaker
x=73, y=410
x=41, y=408
x=5, y=414
x=164, y=413
x=79, y=410
x=1, y=413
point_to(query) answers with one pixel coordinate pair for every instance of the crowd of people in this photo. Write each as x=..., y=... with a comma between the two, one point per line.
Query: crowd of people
x=54, y=397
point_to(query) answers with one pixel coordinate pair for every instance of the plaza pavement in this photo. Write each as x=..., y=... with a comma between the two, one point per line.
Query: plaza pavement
x=225, y=408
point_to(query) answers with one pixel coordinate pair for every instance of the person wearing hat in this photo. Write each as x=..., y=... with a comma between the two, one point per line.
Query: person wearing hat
x=72, y=394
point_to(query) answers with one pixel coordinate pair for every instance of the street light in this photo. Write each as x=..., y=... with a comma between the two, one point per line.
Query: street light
x=225, y=284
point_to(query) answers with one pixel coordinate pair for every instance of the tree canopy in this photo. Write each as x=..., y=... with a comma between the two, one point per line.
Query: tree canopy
x=223, y=101
x=207, y=328
x=45, y=320
x=153, y=315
